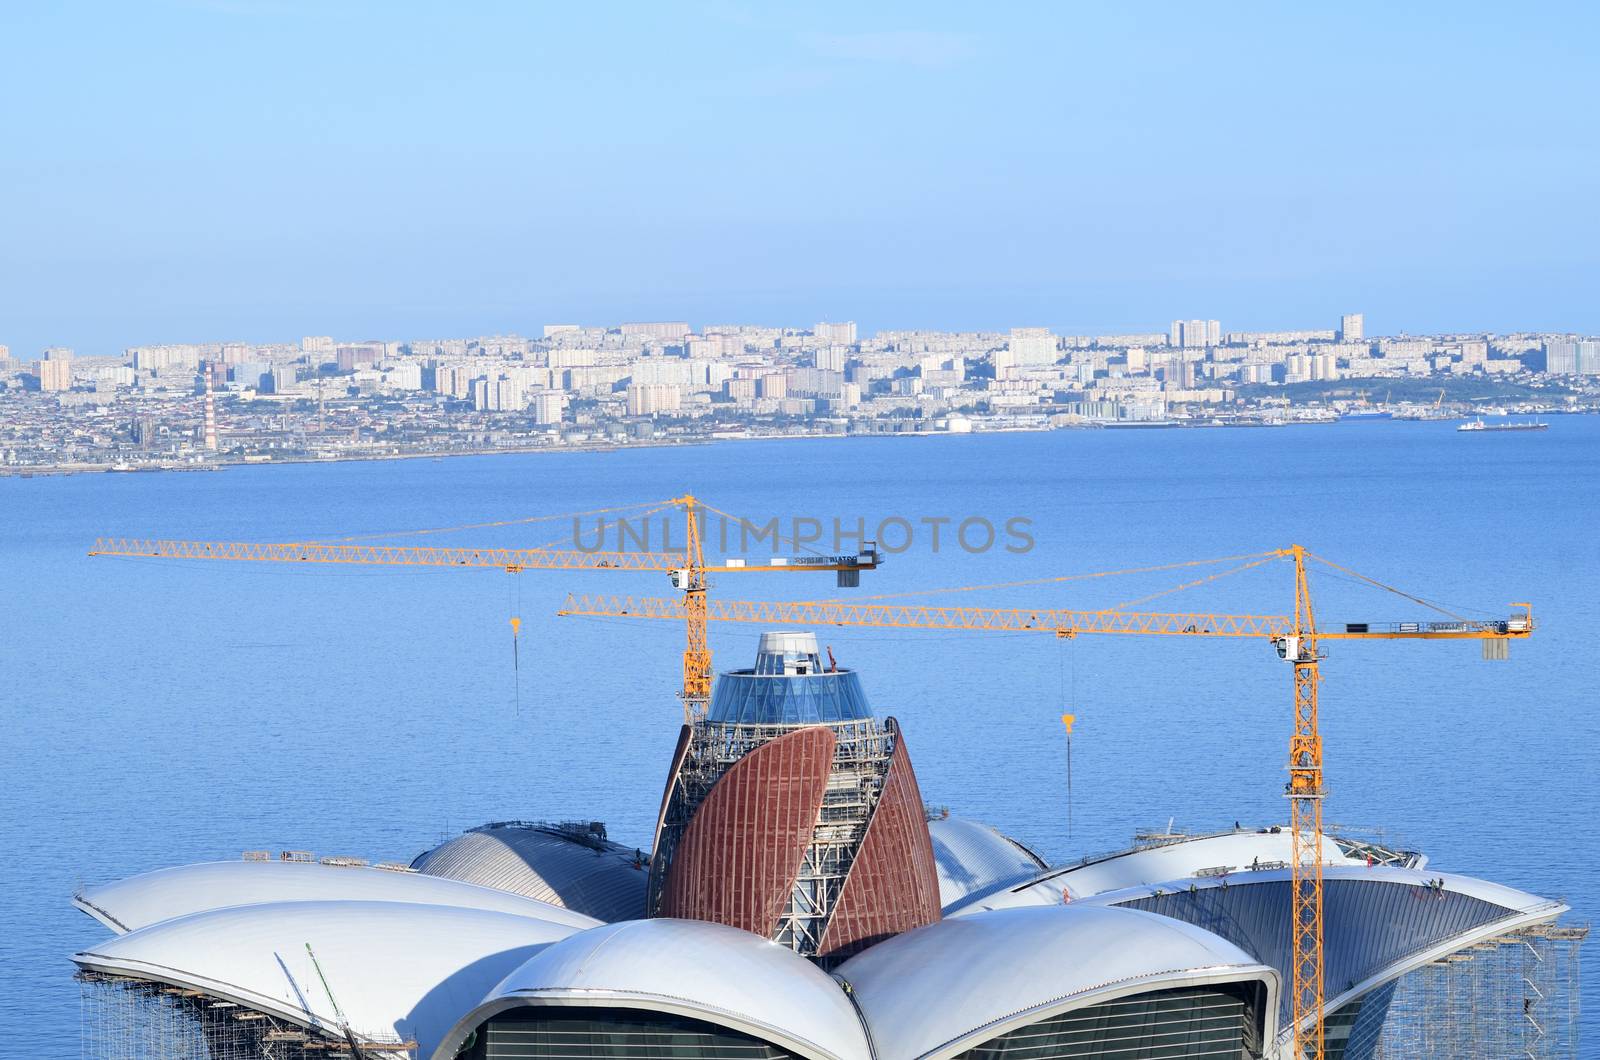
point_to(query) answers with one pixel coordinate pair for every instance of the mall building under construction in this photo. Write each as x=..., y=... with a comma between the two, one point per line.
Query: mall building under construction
x=799, y=901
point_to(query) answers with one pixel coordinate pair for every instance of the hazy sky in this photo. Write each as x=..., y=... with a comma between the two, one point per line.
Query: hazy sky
x=265, y=169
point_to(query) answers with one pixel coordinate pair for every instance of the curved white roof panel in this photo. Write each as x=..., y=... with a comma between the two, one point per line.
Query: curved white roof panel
x=152, y=897
x=974, y=859
x=950, y=986
x=706, y=971
x=1229, y=851
x=398, y=970
x=584, y=873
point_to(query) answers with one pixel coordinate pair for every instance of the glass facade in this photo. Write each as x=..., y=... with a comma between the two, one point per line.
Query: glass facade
x=1221, y=1021
x=743, y=697
x=1353, y=1031
x=541, y=1033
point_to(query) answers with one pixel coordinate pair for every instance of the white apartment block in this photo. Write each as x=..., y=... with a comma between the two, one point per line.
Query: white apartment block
x=836, y=334
x=1031, y=346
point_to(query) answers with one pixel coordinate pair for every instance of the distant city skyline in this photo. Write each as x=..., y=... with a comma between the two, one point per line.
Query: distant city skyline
x=262, y=169
x=644, y=382
x=1178, y=332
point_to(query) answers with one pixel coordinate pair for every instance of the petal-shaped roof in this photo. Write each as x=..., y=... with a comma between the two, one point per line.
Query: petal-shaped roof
x=947, y=987
x=587, y=874
x=395, y=968
x=737, y=861
x=892, y=885
x=691, y=968
x=151, y=897
x=975, y=859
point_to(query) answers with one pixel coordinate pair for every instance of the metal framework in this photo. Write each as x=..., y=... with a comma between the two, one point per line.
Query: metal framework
x=136, y=1019
x=1306, y=792
x=892, y=884
x=854, y=781
x=1515, y=995
x=737, y=860
x=1297, y=638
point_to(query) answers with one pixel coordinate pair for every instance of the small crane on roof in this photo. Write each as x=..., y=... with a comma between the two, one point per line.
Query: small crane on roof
x=344, y=1024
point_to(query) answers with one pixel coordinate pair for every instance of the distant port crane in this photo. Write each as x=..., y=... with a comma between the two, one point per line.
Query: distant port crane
x=687, y=567
x=1297, y=639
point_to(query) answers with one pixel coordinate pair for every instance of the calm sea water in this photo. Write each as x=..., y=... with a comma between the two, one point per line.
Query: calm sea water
x=157, y=713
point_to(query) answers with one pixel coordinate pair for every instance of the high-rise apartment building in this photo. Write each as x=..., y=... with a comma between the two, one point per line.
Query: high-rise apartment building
x=508, y=395
x=548, y=406
x=829, y=358
x=55, y=376
x=358, y=355
x=1352, y=327
x=1195, y=333
x=55, y=370
x=1032, y=346
x=1589, y=357
x=1561, y=357
x=497, y=395
x=648, y=399
x=836, y=334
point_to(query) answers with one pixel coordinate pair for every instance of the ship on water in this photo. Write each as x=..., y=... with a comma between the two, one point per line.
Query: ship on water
x=1482, y=425
x=801, y=902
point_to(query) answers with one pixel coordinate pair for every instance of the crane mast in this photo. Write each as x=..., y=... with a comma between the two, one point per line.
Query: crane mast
x=697, y=642
x=1306, y=791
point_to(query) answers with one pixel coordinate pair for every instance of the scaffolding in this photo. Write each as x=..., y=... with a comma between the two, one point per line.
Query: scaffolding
x=1515, y=995
x=862, y=750
x=125, y=1018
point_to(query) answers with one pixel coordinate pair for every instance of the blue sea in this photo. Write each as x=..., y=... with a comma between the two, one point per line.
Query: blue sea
x=162, y=712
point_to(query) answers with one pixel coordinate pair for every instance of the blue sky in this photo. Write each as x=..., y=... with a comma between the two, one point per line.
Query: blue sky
x=263, y=169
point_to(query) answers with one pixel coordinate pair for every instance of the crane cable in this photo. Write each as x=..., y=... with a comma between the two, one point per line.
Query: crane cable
x=1067, y=719
x=658, y=505
x=790, y=539
x=572, y=542
x=1190, y=585
x=1388, y=588
x=516, y=633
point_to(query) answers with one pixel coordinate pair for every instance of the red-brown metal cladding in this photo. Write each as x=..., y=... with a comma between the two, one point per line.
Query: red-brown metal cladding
x=739, y=857
x=892, y=885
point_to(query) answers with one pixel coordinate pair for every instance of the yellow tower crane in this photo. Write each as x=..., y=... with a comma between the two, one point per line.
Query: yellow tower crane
x=1296, y=637
x=686, y=567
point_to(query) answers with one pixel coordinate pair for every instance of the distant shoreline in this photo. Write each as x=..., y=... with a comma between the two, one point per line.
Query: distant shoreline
x=1134, y=427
